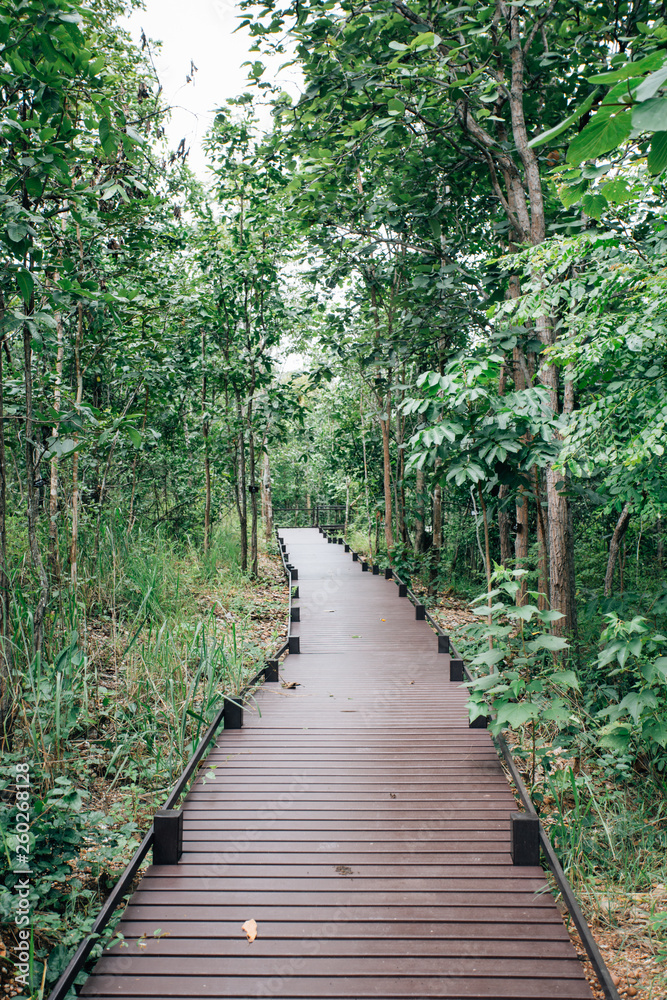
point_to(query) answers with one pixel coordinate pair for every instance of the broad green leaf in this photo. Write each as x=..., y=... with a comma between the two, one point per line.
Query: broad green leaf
x=616, y=191
x=650, y=116
x=594, y=205
x=526, y=611
x=16, y=231
x=106, y=138
x=516, y=714
x=26, y=283
x=655, y=730
x=657, y=157
x=631, y=69
x=547, y=641
x=570, y=194
x=427, y=40
x=651, y=84
x=661, y=665
x=600, y=136
x=134, y=436
x=617, y=737
x=395, y=107
x=490, y=657
x=636, y=701
x=565, y=678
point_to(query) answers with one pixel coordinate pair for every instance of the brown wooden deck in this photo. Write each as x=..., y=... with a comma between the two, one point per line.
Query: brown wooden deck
x=359, y=821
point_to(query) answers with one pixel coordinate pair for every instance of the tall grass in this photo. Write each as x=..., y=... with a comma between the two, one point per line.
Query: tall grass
x=136, y=664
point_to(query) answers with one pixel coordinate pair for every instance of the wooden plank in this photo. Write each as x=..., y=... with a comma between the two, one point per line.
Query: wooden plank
x=279, y=982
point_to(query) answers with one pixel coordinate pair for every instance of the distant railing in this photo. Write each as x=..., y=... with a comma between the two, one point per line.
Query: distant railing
x=310, y=517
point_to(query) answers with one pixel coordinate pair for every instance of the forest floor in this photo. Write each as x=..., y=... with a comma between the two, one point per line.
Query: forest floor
x=621, y=921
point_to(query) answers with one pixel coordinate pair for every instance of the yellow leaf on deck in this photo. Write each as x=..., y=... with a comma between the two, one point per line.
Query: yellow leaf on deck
x=250, y=927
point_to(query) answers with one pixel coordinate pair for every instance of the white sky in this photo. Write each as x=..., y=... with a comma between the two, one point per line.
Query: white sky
x=201, y=31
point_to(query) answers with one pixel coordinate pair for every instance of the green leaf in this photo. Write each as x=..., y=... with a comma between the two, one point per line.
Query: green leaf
x=651, y=84
x=26, y=283
x=516, y=714
x=16, y=231
x=655, y=730
x=616, y=191
x=570, y=194
x=427, y=40
x=134, y=436
x=552, y=133
x=594, y=205
x=565, y=678
x=650, y=116
x=631, y=69
x=490, y=657
x=109, y=144
x=526, y=611
x=600, y=136
x=657, y=157
x=395, y=107
x=547, y=641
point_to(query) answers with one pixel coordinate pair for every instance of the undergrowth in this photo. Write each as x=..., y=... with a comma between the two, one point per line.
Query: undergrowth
x=130, y=678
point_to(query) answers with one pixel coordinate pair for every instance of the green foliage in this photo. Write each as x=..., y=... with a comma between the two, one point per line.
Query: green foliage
x=518, y=676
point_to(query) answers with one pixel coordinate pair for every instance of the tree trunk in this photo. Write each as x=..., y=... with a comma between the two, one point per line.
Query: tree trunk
x=660, y=543
x=347, y=506
x=254, y=489
x=6, y=659
x=543, y=551
x=54, y=559
x=241, y=498
x=561, y=541
x=267, y=499
x=363, y=448
x=504, y=527
x=386, y=453
x=130, y=520
x=487, y=560
x=207, y=457
x=522, y=529
x=437, y=538
x=614, y=547
x=420, y=512
x=32, y=468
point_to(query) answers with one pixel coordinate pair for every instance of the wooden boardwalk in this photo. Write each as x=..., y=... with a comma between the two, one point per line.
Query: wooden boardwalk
x=359, y=821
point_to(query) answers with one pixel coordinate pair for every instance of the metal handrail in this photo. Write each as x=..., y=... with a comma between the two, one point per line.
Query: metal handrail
x=560, y=878
x=115, y=897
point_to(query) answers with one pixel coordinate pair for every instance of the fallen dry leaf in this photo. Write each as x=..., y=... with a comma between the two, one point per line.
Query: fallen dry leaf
x=290, y=684
x=250, y=927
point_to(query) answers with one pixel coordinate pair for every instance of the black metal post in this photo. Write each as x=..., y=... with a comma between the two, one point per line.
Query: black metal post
x=294, y=644
x=233, y=714
x=525, y=839
x=443, y=643
x=420, y=612
x=271, y=672
x=295, y=615
x=167, y=836
x=456, y=670
x=388, y=573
